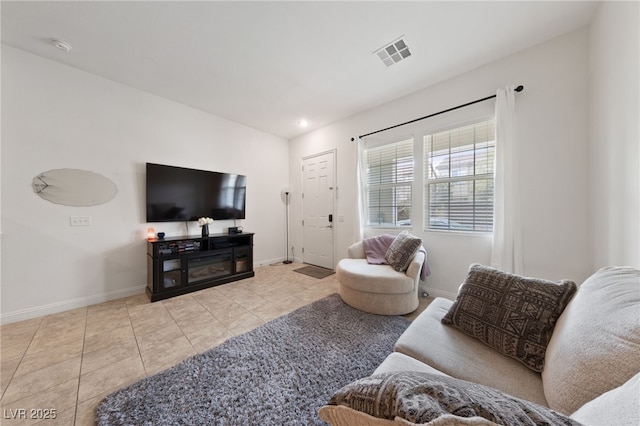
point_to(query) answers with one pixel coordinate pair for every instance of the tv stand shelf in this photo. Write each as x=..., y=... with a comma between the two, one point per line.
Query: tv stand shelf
x=180, y=265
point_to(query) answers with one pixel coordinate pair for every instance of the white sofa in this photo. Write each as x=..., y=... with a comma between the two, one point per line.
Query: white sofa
x=591, y=365
x=378, y=289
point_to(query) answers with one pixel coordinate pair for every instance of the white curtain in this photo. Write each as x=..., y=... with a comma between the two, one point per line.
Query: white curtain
x=358, y=229
x=506, y=252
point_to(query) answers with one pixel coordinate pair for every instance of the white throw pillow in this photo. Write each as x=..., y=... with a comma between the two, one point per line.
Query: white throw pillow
x=619, y=406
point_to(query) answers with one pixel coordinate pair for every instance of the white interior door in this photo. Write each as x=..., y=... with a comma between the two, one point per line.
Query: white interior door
x=318, y=201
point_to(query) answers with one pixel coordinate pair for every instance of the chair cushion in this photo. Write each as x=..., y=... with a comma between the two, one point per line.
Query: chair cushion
x=402, y=250
x=596, y=344
x=359, y=275
x=513, y=314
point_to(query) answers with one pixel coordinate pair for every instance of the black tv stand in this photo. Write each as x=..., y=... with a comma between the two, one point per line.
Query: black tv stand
x=180, y=265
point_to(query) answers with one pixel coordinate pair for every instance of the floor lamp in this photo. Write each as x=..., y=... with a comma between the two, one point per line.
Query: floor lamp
x=286, y=216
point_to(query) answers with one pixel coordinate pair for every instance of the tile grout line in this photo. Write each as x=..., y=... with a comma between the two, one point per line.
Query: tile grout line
x=84, y=337
x=227, y=329
x=22, y=358
x=135, y=336
x=178, y=325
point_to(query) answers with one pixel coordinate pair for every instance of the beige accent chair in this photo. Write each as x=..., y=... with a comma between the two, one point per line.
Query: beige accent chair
x=378, y=289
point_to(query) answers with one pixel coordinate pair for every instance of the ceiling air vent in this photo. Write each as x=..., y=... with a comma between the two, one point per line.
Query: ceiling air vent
x=394, y=52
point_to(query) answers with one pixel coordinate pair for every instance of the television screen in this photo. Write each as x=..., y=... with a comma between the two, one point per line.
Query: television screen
x=180, y=194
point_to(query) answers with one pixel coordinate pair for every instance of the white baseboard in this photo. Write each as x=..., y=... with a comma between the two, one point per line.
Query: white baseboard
x=268, y=262
x=66, y=305
x=434, y=292
x=275, y=261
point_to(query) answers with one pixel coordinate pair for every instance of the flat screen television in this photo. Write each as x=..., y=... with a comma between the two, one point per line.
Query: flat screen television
x=179, y=194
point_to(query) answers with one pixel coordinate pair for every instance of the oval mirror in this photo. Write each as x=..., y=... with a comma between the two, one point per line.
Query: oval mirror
x=74, y=187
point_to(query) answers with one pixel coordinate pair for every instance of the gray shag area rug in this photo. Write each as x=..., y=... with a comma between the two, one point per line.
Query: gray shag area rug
x=280, y=373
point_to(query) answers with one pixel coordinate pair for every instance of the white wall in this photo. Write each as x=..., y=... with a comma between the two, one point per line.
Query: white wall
x=552, y=129
x=615, y=134
x=54, y=116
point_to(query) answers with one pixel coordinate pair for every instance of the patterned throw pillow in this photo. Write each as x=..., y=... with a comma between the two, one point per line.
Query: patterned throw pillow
x=513, y=314
x=424, y=398
x=402, y=250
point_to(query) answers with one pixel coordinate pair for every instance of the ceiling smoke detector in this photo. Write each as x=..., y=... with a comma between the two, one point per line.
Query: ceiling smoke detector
x=61, y=45
x=394, y=52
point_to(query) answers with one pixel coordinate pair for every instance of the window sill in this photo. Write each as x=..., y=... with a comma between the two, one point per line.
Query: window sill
x=459, y=233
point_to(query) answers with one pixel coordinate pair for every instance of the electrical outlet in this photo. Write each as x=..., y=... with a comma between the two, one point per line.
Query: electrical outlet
x=80, y=220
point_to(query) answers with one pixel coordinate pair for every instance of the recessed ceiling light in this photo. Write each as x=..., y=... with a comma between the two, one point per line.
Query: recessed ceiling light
x=393, y=52
x=61, y=45
x=303, y=123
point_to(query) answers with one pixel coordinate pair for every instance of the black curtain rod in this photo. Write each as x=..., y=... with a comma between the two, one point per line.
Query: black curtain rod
x=517, y=89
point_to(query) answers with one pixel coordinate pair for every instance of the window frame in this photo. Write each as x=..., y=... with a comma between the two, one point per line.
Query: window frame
x=428, y=182
x=367, y=187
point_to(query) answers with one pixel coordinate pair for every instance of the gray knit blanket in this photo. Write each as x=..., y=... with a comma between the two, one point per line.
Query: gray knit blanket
x=422, y=398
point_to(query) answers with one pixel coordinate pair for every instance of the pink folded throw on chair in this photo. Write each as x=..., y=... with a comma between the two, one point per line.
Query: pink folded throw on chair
x=376, y=247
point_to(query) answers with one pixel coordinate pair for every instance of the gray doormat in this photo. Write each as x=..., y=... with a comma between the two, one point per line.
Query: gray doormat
x=278, y=374
x=315, y=271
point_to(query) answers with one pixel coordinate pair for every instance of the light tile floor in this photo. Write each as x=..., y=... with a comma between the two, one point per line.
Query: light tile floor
x=68, y=362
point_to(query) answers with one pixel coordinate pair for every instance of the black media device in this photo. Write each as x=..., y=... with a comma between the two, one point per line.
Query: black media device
x=179, y=194
x=235, y=230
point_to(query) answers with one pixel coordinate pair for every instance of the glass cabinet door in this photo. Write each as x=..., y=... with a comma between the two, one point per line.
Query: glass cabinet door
x=242, y=260
x=171, y=273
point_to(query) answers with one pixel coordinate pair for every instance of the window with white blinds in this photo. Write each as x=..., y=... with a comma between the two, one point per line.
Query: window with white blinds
x=459, y=178
x=389, y=176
